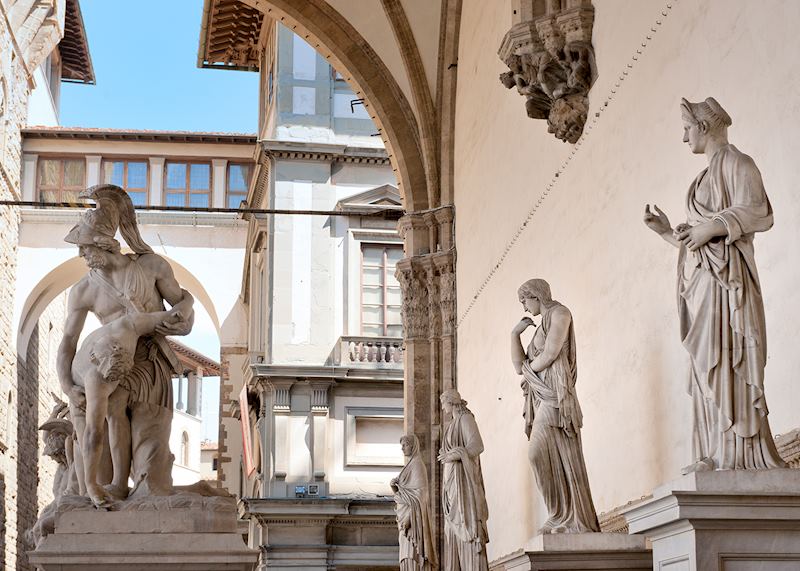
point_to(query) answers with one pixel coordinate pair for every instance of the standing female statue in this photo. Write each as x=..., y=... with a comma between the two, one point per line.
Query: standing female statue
x=464, y=505
x=719, y=297
x=417, y=545
x=552, y=414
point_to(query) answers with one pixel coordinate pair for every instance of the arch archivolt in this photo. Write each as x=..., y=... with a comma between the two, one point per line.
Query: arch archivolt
x=338, y=41
x=68, y=273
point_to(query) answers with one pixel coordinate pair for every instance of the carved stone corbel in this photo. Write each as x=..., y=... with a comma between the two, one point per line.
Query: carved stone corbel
x=551, y=63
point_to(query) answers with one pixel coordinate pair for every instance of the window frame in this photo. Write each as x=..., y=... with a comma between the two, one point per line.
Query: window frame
x=228, y=192
x=386, y=246
x=187, y=192
x=126, y=159
x=60, y=189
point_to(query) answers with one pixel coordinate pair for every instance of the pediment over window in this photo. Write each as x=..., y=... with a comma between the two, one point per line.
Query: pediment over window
x=381, y=197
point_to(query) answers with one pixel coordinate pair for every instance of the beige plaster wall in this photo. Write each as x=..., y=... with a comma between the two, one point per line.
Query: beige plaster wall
x=588, y=240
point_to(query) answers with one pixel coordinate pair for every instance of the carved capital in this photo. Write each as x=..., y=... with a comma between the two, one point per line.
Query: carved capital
x=319, y=397
x=414, y=309
x=447, y=292
x=551, y=63
x=281, y=394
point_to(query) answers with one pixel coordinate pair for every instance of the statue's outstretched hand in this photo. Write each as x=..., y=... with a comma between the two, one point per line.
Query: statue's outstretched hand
x=656, y=220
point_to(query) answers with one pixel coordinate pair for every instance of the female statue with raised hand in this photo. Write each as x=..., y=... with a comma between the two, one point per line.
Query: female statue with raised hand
x=464, y=505
x=552, y=414
x=417, y=544
x=719, y=297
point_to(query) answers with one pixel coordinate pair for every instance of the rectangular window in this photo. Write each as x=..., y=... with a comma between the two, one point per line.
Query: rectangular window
x=130, y=175
x=372, y=436
x=238, y=182
x=60, y=180
x=188, y=184
x=380, y=290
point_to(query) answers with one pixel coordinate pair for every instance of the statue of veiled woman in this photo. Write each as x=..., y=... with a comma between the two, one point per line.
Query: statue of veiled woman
x=417, y=544
x=552, y=414
x=464, y=507
x=720, y=306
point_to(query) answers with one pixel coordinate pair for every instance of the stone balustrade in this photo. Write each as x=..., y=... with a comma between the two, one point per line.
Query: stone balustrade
x=379, y=352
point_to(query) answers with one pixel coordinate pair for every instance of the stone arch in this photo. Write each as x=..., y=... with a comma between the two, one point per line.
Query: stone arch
x=335, y=38
x=69, y=273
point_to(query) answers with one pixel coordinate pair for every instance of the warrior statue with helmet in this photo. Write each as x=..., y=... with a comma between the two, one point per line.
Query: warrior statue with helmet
x=138, y=410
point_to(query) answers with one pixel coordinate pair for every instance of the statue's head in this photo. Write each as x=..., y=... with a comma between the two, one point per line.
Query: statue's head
x=112, y=360
x=535, y=294
x=702, y=122
x=452, y=402
x=97, y=227
x=56, y=430
x=410, y=444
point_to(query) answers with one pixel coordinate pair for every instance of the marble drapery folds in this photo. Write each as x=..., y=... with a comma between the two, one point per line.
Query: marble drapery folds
x=721, y=314
x=464, y=504
x=553, y=420
x=411, y=495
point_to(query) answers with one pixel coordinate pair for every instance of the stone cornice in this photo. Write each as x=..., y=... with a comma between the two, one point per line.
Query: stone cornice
x=321, y=510
x=321, y=373
x=293, y=150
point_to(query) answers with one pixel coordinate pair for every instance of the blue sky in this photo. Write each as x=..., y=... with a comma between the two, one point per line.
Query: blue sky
x=145, y=62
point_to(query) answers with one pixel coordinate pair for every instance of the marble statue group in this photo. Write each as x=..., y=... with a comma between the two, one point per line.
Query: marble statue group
x=118, y=383
x=721, y=316
x=115, y=428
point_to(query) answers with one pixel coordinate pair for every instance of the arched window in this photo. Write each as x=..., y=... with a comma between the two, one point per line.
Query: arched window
x=185, y=448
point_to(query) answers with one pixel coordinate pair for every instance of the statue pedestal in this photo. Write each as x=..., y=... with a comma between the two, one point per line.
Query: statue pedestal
x=156, y=534
x=732, y=520
x=579, y=552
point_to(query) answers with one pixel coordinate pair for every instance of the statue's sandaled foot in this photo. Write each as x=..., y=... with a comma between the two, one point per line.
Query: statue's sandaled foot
x=704, y=465
x=116, y=492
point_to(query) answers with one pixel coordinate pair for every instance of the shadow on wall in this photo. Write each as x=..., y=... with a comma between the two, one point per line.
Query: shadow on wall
x=27, y=447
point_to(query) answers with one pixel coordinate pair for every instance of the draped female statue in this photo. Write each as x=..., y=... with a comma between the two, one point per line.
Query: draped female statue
x=464, y=505
x=720, y=306
x=417, y=543
x=552, y=414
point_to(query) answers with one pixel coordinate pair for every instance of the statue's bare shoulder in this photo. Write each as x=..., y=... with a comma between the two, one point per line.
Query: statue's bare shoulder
x=157, y=265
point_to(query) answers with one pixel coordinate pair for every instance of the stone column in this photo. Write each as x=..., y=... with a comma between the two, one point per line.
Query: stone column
x=281, y=411
x=194, y=378
x=29, y=164
x=427, y=280
x=156, y=181
x=319, y=416
x=219, y=182
x=180, y=405
x=93, y=174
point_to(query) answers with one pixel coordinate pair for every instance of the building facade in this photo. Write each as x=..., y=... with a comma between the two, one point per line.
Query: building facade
x=41, y=44
x=314, y=387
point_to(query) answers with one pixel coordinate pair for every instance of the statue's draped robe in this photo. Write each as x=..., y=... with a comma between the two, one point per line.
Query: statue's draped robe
x=553, y=421
x=463, y=498
x=417, y=544
x=722, y=316
x=149, y=383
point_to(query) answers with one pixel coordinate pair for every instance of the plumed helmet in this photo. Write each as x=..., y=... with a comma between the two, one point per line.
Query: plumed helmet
x=98, y=226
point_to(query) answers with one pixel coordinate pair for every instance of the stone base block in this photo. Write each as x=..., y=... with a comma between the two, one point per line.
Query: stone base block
x=202, y=537
x=579, y=552
x=723, y=521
